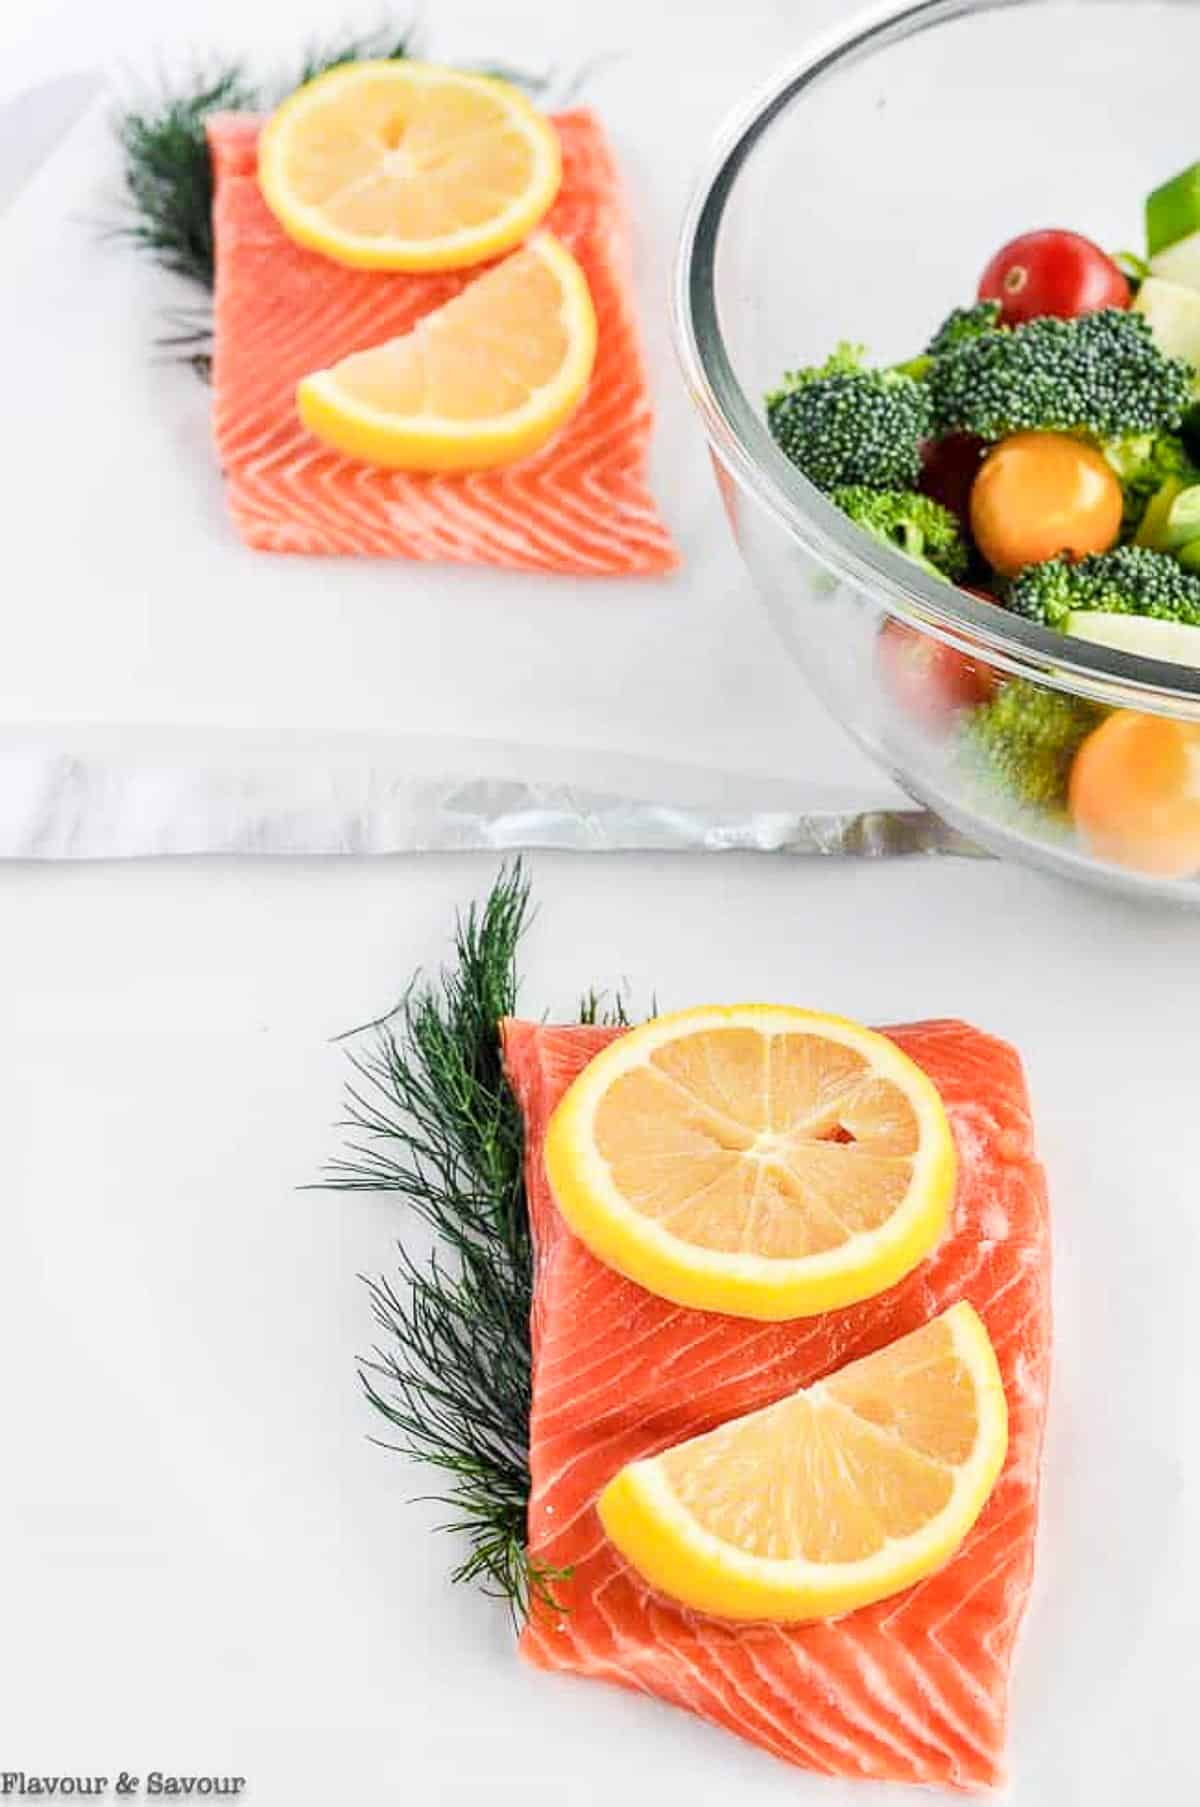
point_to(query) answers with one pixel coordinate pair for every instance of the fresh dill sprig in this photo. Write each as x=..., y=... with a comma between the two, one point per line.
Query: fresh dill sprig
x=604, y=1007
x=167, y=171
x=168, y=176
x=382, y=46
x=431, y=1117
x=188, y=338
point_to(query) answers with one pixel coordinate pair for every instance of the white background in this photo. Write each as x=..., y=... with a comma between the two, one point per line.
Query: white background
x=204, y=1565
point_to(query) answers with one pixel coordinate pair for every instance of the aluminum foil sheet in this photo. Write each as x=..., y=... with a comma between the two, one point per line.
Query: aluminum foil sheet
x=105, y=794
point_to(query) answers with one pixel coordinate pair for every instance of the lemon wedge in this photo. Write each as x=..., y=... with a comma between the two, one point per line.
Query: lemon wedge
x=840, y=1495
x=483, y=380
x=758, y=1160
x=407, y=166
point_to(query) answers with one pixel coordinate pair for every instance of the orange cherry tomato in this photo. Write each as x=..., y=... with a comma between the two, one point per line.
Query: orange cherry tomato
x=1135, y=793
x=1041, y=494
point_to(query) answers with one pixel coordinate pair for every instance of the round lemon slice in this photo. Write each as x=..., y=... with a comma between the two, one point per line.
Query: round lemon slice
x=757, y=1160
x=835, y=1497
x=483, y=380
x=407, y=166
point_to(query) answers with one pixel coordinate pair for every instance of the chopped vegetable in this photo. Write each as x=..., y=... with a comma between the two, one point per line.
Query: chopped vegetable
x=1173, y=211
x=1024, y=741
x=1173, y=312
x=1133, y=795
x=1180, y=262
x=1041, y=494
x=1144, y=462
x=1131, y=580
x=1152, y=529
x=914, y=524
x=1052, y=273
x=1101, y=374
x=1171, y=523
x=843, y=424
x=1139, y=635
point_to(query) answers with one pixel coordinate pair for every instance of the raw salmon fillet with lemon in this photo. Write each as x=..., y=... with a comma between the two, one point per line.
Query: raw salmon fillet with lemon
x=580, y=505
x=912, y=1688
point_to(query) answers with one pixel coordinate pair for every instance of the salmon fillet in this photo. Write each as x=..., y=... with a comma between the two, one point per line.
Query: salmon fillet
x=580, y=505
x=912, y=1689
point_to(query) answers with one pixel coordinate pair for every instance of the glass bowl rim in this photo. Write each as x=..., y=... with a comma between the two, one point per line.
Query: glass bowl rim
x=739, y=437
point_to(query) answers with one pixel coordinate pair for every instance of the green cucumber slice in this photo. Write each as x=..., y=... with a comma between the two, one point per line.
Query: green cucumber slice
x=1180, y=262
x=1183, y=520
x=1156, y=522
x=1173, y=211
x=1143, y=635
x=1172, y=518
x=1173, y=311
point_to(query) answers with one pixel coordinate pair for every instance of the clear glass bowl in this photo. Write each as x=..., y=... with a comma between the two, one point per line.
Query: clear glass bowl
x=859, y=198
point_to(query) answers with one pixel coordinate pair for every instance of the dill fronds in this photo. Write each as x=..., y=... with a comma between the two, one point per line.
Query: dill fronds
x=430, y=1116
x=168, y=176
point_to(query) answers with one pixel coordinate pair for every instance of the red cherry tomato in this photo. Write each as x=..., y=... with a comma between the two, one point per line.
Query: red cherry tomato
x=948, y=469
x=930, y=681
x=1052, y=272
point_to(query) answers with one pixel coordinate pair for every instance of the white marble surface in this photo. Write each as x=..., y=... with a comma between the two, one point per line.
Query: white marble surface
x=204, y=1565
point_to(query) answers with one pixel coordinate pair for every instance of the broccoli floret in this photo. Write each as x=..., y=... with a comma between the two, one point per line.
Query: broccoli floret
x=1144, y=460
x=1100, y=374
x=1024, y=741
x=1145, y=463
x=1130, y=580
x=914, y=524
x=844, y=424
x=846, y=359
x=964, y=323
